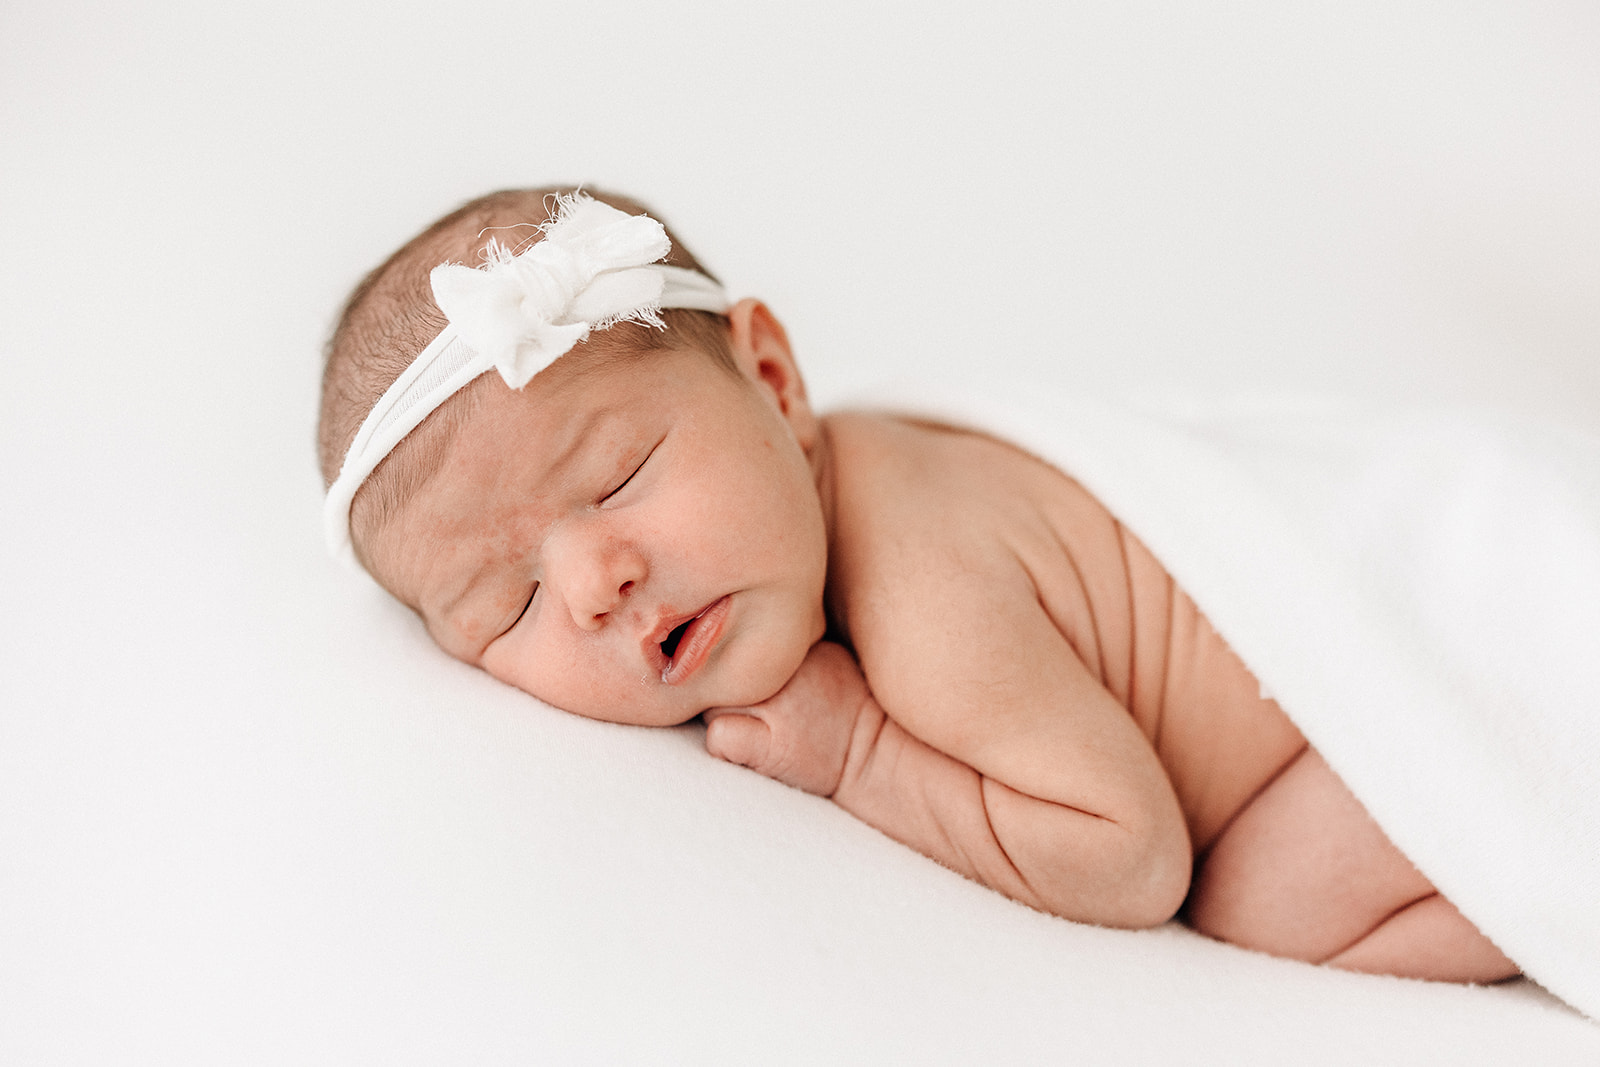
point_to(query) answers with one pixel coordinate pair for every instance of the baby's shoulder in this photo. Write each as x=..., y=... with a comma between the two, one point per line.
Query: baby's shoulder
x=924, y=510
x=905, y=481
x=961, y=566
x=907, y=487
x=941, y=530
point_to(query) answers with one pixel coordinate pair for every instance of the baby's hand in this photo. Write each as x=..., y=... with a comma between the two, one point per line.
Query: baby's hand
x=801, y=735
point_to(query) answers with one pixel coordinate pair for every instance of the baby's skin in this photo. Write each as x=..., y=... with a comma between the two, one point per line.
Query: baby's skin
x=948, y=637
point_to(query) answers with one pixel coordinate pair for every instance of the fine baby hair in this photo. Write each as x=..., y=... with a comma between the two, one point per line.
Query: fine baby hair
x=560, y=267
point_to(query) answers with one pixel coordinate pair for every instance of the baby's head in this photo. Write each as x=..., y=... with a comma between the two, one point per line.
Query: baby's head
x=635, y=533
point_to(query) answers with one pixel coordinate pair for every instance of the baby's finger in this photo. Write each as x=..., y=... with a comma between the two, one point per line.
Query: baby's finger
x=737, y=738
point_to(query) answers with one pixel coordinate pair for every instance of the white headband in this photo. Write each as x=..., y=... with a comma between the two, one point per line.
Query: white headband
x=595, y=267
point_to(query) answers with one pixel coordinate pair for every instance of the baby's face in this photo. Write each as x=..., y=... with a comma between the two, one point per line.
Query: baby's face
x=635, y=542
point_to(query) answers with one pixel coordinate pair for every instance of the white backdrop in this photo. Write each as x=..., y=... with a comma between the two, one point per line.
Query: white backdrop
x=248, y=815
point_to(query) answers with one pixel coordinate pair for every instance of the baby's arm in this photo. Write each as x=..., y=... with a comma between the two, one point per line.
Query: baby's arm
x=1124, y=862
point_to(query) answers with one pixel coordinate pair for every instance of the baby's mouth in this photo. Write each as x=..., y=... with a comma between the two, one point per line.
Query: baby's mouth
x=686, y=647
x=670, y=645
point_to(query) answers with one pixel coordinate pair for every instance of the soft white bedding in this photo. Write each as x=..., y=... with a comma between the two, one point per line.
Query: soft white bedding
x=249, y=815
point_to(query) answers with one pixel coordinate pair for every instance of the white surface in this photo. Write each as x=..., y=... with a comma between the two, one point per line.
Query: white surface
x=247, y=814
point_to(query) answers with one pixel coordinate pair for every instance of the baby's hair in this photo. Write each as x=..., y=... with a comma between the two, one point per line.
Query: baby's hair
x=391, y=317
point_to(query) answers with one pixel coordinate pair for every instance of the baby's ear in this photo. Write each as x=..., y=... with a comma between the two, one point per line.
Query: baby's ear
x=761, y=351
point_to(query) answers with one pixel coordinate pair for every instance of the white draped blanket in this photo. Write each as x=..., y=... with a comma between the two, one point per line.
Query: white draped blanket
x=1421, y=593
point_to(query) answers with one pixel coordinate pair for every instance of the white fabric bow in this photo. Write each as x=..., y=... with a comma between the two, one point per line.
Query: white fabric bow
x=520, y=311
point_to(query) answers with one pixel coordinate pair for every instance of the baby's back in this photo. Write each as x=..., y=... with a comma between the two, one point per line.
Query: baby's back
x=1287, y=860
x=954, y=495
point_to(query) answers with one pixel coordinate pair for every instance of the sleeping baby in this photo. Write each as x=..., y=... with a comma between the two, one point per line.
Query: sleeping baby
x=638, y=517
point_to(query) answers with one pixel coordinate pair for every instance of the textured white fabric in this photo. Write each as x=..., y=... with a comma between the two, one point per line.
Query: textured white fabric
x=518, y=313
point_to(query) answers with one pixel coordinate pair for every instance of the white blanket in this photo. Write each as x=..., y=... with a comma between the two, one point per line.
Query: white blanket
x=1421, y=592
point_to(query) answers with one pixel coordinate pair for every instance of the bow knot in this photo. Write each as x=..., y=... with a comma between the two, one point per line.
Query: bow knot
x=520, y=311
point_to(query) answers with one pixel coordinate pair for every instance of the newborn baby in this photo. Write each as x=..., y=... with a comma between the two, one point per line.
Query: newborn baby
x=641, y=519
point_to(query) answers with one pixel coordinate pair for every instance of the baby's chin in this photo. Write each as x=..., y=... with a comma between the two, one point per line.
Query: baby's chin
x=669, y=712
x=768, y=674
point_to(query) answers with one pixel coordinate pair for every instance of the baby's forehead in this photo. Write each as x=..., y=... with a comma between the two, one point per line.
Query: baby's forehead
x=534, y=435
x=566, y=423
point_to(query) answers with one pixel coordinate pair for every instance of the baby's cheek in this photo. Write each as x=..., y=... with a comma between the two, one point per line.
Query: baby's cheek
x=551, y=675
x=769, y=664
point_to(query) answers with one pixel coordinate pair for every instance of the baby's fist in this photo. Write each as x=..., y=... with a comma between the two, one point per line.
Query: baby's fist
x=800, y=735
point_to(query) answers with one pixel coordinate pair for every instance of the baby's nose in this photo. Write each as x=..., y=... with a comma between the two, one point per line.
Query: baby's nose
x=601, y=583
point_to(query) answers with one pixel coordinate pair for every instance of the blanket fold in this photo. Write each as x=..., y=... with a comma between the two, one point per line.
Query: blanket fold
x=1420, y=590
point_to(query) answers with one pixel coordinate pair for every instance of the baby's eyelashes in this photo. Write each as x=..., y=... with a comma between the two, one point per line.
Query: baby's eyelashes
x=525, y=606
x=622, y=484
x=631, y=474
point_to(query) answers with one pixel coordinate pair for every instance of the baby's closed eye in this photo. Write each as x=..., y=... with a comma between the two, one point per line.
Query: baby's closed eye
x=523, y=611
x=630, y=475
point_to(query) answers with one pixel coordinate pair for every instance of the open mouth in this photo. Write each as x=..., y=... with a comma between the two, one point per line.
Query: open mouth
x=669, y=647
x=686, y=646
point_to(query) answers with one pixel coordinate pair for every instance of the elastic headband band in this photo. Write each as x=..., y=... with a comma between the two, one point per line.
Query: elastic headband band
x=517, y=314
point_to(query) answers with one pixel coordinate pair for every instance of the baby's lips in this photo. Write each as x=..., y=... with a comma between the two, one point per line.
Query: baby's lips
x=702, y=633
x=650, y=643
